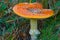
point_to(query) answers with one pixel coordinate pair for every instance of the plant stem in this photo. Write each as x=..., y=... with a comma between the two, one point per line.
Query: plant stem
x=30, y=1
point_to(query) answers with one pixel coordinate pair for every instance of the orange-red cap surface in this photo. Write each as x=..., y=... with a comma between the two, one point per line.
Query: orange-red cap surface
x=23, y=10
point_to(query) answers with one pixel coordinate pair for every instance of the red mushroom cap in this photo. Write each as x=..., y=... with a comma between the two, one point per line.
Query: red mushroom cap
x=32, y=10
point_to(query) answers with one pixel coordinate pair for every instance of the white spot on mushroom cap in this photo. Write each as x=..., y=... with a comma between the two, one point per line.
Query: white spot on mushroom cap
x=35, y=10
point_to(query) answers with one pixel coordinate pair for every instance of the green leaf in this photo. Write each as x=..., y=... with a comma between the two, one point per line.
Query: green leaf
x=3, y=6
x=10, y=1
x=57, y=3
x=34, y=1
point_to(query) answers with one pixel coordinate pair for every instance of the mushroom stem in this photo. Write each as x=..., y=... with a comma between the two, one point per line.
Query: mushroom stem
x=34, y=31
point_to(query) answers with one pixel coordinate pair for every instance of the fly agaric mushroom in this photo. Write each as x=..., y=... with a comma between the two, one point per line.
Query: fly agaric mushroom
x=32, y=11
